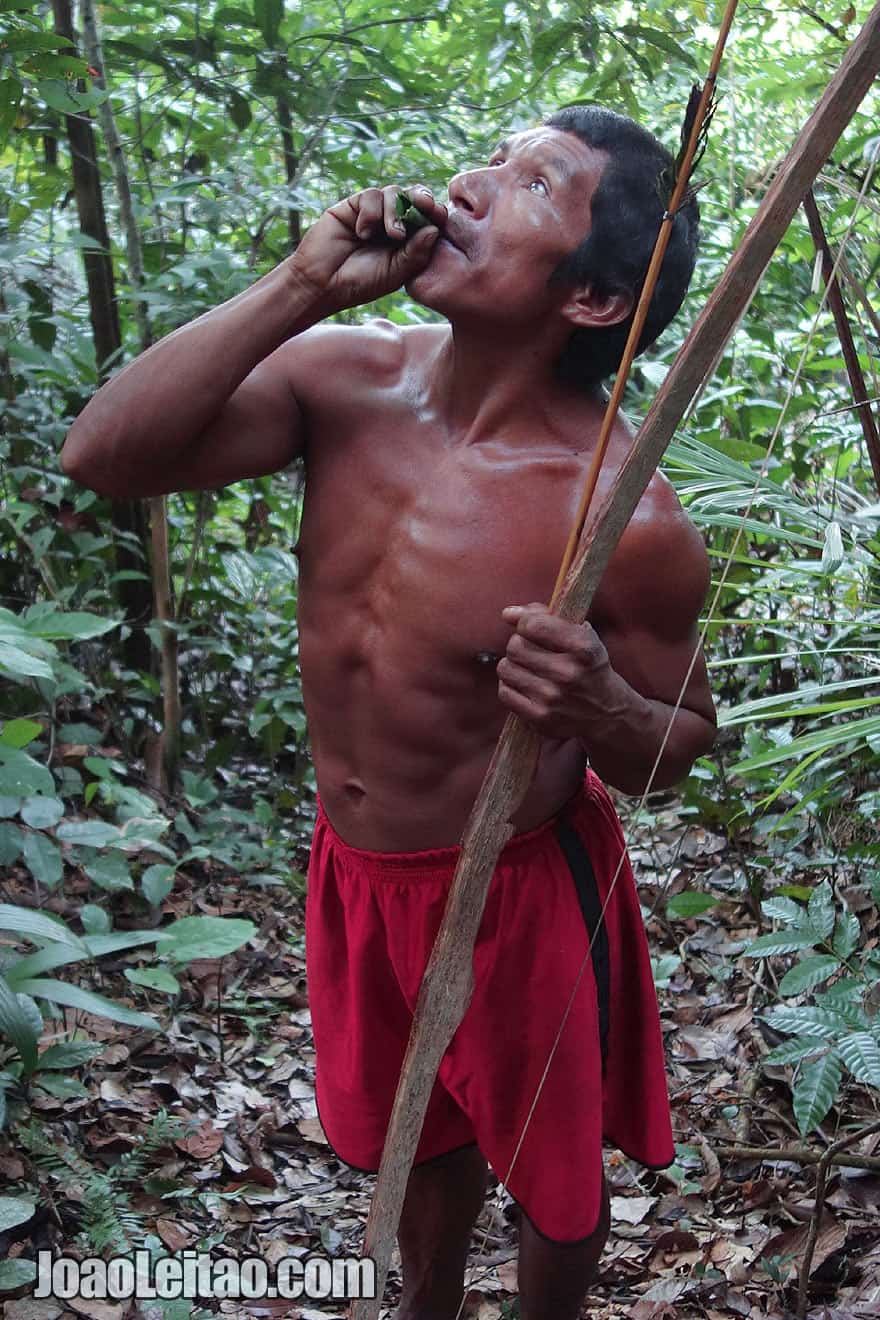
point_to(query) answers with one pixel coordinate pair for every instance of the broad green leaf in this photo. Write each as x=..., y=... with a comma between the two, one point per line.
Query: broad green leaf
x=109, y=871
x=37, y=927
x=9, y=806
x=19, y=663
x=268, y=14
x=783, y=941
x=11, y=842
x=44, y=960
x=101, y=944
x=17, y=1027
x=861, y=1054
x=88, y=833
x=59, y=992
x=791, y=1051
x=690, y=903
x=63, y=1088
x=846, y=934
x=807, y=973
x=157, y=883
x=18, y=733
x=153, y=978
x=22, y=776
x=43, y=860
x=15, y=1210
x=821, y=909
x=785, y=910
x=16, y=1273
x=815, y=1090
x=204, y=937
x=69, y=1054
x=94, y=919
x=808, y=1021
x=74, y=626
x=42, y=813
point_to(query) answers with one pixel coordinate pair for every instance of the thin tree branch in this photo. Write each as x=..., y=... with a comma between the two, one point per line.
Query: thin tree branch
x=844, y=334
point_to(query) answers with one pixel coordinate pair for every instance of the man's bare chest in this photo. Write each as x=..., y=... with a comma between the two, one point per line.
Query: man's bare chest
x=405, y=532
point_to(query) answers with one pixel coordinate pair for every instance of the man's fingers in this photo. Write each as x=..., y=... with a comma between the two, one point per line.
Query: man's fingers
x=536, y=624
x=538, y=689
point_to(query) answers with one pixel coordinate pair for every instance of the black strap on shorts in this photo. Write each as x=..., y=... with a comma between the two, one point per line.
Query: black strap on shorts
x=590, y=902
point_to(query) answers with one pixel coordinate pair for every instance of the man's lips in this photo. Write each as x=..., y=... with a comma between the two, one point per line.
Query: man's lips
x=452, y=235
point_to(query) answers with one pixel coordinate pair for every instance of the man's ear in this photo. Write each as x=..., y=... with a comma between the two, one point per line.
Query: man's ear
x=586, y=308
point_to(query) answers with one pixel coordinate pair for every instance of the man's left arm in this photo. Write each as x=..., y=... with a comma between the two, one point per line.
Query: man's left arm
x=635, y=682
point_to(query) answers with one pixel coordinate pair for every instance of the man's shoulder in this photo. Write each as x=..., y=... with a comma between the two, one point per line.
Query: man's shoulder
x=376, y=351
x=660, y=566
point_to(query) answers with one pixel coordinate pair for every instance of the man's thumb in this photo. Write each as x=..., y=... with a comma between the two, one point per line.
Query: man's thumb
x=415, y=252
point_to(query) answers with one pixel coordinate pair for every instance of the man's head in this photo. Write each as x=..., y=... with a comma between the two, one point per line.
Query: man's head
x=626, y=209
x=548, y=243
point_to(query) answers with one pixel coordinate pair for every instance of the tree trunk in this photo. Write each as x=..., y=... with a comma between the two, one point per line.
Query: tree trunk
x=165, y=766
x=128, y=515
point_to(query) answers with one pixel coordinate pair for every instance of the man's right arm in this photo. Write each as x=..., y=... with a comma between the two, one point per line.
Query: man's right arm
x=214, y=402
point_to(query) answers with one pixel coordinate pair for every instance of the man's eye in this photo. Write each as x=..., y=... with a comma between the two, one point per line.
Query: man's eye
x=496, y=161
x=539, y=183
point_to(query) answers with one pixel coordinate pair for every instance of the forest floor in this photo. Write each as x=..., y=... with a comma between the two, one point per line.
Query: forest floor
x=723, y=1233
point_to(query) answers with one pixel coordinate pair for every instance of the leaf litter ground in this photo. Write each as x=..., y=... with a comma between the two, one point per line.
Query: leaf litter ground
x=718, y=1235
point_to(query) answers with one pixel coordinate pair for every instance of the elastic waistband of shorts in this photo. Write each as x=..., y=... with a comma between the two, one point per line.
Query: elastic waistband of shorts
x=440, y=863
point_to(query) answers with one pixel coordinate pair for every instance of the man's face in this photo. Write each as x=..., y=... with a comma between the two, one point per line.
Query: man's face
x=510, y=223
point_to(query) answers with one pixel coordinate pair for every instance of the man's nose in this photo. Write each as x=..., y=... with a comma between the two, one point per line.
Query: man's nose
x=469, y=191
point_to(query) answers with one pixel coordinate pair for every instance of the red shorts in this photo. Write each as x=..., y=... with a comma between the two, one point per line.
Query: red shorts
x=371, y=919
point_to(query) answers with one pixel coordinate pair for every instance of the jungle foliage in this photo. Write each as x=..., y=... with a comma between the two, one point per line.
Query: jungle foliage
x=206, y=137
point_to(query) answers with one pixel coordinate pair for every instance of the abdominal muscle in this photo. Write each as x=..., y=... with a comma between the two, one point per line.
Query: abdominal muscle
x=401, y=742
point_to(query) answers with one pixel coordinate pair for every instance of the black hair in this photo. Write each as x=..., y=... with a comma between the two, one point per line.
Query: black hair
x=627, y=209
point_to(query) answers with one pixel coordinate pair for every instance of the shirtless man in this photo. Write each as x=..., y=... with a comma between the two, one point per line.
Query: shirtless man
x=444, y=463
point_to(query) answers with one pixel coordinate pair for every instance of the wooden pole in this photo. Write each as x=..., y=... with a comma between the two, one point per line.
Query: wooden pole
x=448, y=979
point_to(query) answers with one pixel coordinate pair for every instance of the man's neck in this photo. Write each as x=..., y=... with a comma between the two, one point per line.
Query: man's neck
x=501, y=389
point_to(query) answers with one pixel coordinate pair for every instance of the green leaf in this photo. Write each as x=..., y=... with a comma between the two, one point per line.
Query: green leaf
x=110, y=872
x=16, y=1273
x=846, y=934
x=11, y=842
x=808, y=1021
x=88, y=833
x=690, y=903
x=9, y=806
x=37, y=927
x=153, y=978
x=18, y=663
x=791, y=1051
x=204, y=937
x=16, y=1025
x=42, y=813
x=18, y=733
x=44, y=960
x=22, y=776
x=861, y=1054
x=94, y=919
x=63, y=1088
x=56, y=625
x=785, y=910
x=100, y=945
x=157, y=883
x=807, y=973
x=815, y=1090
x=69, y=1054
x=15, y=1210
x=780, y=942
x=43, y=860
x=821, y=909
x=59, y=992
x=268, y=14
